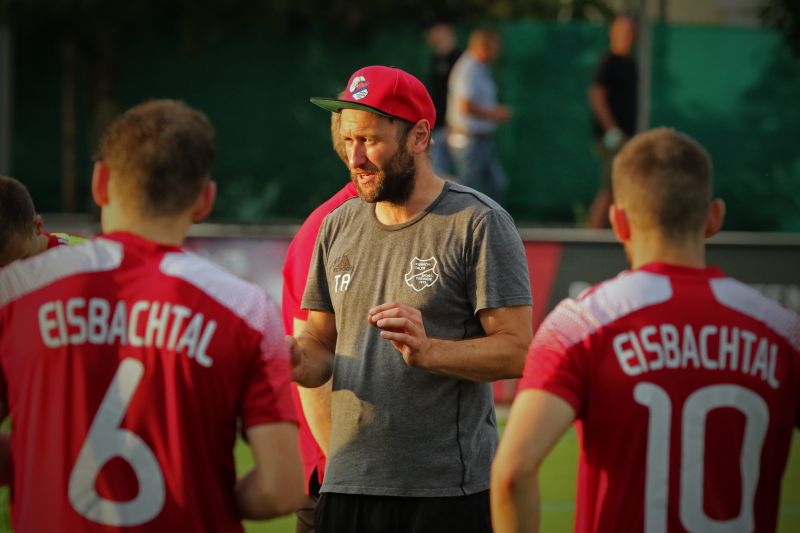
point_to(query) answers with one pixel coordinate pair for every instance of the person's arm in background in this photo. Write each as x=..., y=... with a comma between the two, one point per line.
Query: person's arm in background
x=536, y=422
x=598, y=101
x=316, y=402
x=313, y=351
x=498, y=113
x=274, y=486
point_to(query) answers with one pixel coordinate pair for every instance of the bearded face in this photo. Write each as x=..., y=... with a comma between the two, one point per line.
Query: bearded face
x=393, y=182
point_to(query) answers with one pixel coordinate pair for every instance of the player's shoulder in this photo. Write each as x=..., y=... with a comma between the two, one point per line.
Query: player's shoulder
x=345, y=211
x=56, y=264
x=243, y=299
x=746, y=300
x=575, y=319
x=474, y=203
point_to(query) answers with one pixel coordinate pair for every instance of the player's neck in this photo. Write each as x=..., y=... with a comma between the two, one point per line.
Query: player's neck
x=162, y=230
x=652, y=247
x=427, y=187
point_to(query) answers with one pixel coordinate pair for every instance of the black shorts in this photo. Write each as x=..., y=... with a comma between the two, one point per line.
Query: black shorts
x=355, y=513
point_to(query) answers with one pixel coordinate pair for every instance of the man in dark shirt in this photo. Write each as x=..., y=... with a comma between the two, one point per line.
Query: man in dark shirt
x=613, y=99
x=441, y=38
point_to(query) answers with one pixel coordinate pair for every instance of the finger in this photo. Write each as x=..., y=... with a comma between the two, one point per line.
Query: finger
x=395, y=324
x=383, y=307
x=401, y=338
x=390, y=313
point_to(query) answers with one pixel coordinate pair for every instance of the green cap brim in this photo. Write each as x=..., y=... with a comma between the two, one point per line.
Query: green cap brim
x=334, y=105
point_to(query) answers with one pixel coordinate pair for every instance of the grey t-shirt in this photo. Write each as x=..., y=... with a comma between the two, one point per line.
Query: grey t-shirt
x=398, y=430
x=470, y=79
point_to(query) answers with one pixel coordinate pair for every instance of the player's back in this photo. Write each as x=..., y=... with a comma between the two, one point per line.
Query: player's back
x=127, y=366
x=687, y=388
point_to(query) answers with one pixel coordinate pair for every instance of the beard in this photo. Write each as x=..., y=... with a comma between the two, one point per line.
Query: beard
x=393, y=183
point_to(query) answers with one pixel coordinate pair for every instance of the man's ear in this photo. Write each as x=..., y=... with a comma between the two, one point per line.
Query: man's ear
x=100, y=178
x=715, y=217
x=205, y=202
x=619, y=223
x=38, y=224
x=420, y=137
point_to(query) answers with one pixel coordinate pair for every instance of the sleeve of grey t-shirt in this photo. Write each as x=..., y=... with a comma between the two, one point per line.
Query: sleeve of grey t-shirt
x=497, y=271
x=316, y=295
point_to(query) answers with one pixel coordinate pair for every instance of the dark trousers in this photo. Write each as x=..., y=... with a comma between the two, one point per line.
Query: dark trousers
x=355, y=513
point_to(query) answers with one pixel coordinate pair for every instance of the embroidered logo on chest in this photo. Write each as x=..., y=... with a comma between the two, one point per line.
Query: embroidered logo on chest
x=422, y=274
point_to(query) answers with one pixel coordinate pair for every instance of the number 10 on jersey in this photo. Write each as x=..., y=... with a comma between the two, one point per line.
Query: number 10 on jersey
x=693, y=438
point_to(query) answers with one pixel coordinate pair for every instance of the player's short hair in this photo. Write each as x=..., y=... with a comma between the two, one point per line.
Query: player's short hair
x=162, y=152
x=16, y=210
x=664, y=179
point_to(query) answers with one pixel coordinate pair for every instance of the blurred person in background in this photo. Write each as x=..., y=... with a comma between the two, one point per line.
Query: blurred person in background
x=313, y=405
x=684, y=383
x=21, y=228
x=441, y=39
x=413, y=427
x=613, y=99
x=473, y=114
x=128, y=365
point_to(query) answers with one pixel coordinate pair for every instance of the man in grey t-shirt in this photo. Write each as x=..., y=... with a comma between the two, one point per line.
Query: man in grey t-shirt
x=419, y=295
x=473, y=114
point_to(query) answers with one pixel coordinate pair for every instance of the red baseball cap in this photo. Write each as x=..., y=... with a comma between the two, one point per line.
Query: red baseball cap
x=387, y=91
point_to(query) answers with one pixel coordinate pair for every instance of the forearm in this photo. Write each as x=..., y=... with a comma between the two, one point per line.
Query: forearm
x=601, y=109
x=498, y=356
x=275, y=485
x=316, y=366
x=515, y=504
x=317, y=410
x=491, y=113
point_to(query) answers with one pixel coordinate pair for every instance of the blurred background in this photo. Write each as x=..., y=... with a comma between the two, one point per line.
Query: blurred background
x=725, y=71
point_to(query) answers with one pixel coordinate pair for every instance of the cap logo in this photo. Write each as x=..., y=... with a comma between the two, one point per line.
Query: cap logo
x=359, y=88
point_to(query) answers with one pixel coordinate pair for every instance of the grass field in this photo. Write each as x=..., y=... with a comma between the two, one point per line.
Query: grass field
x=558, y=490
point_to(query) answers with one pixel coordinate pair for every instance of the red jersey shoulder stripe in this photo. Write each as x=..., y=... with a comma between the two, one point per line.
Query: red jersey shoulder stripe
x=28, y=275
x=750, y=302
x=576, y=319
x=246, y=300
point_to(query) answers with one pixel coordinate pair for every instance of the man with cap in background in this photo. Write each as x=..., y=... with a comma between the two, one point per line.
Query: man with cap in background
x=418, y=296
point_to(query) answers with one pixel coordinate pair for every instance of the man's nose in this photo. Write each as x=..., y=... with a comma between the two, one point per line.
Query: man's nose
x=358, y=155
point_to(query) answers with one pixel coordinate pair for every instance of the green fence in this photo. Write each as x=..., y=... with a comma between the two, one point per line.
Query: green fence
x=736, y=90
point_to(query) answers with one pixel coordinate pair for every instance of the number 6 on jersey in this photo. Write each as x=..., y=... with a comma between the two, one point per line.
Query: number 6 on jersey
x=107, y=440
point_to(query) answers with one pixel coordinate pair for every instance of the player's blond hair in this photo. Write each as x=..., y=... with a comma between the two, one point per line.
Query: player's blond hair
x=161, y=152
x=664, y=180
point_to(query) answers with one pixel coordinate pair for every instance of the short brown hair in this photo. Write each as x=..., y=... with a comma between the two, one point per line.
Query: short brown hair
x=162, y=152
x=16, y=210
x=664, y=179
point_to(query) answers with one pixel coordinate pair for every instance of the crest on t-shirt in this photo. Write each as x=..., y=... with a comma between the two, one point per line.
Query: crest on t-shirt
x=422, y=274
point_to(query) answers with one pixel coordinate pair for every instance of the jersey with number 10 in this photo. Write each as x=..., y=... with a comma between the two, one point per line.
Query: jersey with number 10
x=686, y=386
x=127, y=367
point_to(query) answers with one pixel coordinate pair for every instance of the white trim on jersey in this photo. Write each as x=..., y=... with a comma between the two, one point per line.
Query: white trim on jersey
x=28, y=275
x=627, y=293
x=748, y=301
x=246, y=300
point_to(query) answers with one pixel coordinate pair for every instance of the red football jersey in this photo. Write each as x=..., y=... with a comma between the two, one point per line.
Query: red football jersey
x=295, y=274
x=686, y=386
x=128, y=368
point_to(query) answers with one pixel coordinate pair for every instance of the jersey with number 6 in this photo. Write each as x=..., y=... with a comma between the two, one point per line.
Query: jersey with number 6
x=686, y=386
x=127, y=369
